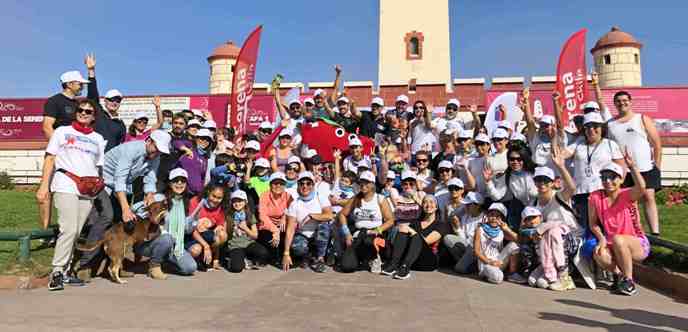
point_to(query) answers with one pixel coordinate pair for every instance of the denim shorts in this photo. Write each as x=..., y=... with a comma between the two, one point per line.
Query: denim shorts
x=208, y=236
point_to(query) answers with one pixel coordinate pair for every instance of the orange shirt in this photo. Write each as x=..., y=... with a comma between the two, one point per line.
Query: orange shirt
x=271, y=211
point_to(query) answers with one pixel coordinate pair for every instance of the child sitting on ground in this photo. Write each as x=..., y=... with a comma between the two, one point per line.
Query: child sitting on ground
x=528, y=244
x=493, y=256
x=464, y=223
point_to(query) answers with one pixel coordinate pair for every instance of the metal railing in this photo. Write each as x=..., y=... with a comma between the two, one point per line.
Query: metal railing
x=24, y=239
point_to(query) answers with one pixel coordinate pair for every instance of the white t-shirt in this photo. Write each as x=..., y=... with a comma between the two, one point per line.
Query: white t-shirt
x=300, y=210
x=587, y=175
x=498, y=162
x=77, y=153
x=476, y=166
x=469, y=224
x=350, y=164
x=421, y=136
x=338, y=193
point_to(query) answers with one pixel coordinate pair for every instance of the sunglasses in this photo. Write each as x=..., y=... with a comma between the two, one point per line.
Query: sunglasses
x=419, y=107
x=178, y=180
x=592, y=126
x=455, y=188
x=444, y=170
x=114, y=100
x=479, y=143
x=453, y=108
x=516, y=159
x=142, y=120
x=306, y=183
x=422, y=160
x=279, y=183
x=293, y=169
x=608, y=177
x=295, y=107
x=363, y=182
x=542, y=179
x=85, y=111
x=266, y=131
x=195, y=126
x=408, y=183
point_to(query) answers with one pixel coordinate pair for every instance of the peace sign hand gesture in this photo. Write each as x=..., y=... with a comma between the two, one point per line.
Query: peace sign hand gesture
x=628, y=159
x=557, y=157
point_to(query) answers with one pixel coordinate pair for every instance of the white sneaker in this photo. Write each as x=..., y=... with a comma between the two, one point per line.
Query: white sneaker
x=376, y=265
x=517, y=278
x=542, y=283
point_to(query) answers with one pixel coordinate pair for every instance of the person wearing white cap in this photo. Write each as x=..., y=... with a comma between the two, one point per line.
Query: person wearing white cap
x=258, y=175
x=374, y=121
x=210, y=125
x=401, y=108
x=451, y=113
x=449, y=196
x=356, y=160
x=59, y=110
x=291, y=111
x=637, y=133
x=272, y=206
x=615, y=223
x=478, y=163
x=589, y=156
x=493, y=256
x=73, y=152
x=251, y=149
x=193, y=127
x=464, y=220
x=498, y=160
x=542, y=135
x=137, y=129
x=198, y=115
x=388, y=190
x=348, y=116
x=279, y=155
x=308, y=222
x=423, y=172
x=195, y=161
x=264, y=130
x=421, y=129
x=244, y=251
x=516, y=187
x=371, y=215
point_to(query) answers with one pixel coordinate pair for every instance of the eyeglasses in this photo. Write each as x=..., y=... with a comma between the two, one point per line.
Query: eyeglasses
x=293, y=169
x=519, y=159
x=306, y=183
x=422, y=160
x=285, y=137
x=85, y=111
x=279, y=183
x=295, y=107
x=418, y=107
x=141, y=120
x=608, y=177
x=114, y=100
x=178, y=180
x=363, y=182
x=455, y=188
x=479, y=143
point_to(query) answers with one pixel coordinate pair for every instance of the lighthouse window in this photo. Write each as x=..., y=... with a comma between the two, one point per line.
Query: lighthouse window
x=637, y=58
x=413, y=46
x=607, y=59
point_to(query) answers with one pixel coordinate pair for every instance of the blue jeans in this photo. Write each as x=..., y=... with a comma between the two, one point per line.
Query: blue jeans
x=321, y=238
x=161, y=249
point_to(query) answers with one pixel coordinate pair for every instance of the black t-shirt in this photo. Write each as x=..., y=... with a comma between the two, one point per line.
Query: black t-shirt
x=61, y=108
x=350, y=124
x=369, y=126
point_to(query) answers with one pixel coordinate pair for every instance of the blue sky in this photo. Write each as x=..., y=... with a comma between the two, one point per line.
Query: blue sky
x=147, y=47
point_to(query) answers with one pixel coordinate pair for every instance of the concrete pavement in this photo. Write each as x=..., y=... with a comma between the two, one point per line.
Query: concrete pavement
x=270, y=300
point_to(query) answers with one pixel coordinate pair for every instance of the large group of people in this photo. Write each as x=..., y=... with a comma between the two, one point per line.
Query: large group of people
x=528, y=202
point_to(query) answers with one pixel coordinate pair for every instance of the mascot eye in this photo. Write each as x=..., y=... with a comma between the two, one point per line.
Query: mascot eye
x=352, y=136
x=339, y=132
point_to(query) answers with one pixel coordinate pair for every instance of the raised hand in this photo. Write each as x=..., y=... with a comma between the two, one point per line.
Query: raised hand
x=628, y=159
x=526, y=93
x=487, y=173
x=595, y=78
x=90, y=61
x=473, y=108
x=557, y=157
x=156, y=102
x=337, y=154
x=338, y=69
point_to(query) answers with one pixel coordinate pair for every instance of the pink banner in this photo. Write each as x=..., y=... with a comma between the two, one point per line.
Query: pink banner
x=21, y=119
x=572, y=82
x=242, y=82
x=664, y=105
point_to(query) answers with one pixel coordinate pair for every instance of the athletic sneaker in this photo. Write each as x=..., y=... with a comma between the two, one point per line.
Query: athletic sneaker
x=542, y=283
x=402, y=273
x=568, y=283
x=517, y=278
x=56, y=281
x=376, y=265
x=250, y=265
x=319, y=266
x=627, y=287
x=73, y=280
x=388, y=269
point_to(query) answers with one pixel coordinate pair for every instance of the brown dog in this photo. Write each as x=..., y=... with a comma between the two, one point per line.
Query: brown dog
x=117, y=239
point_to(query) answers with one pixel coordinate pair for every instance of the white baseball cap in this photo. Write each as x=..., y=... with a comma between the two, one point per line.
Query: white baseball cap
x=498, y=207
x=367, y=176
x=516, y=136
x=530, y=211
x=378, y=101
x=262, y=162
x=205, y=132
x=544, y=171
x=306, y=175
x=403, y=98
x=354, y=141
x=592, y=117
x=472, y=198
x=197, y=112
x=240, y=194
x=548, y=119
x=445, y=164
x=391, y=175
x=318, y=92
x=210, y=124
x=113, y=93
x=253, y=145
x=194, y=122
x=500, y=133
x=277, y=176
x=455, y=182
x=454, y=102
x=407, y=175
x=162, y=140
x=286, y=132
x=178, y=172
x=72, y=76
x=265, y=125
x=463, y=133
x=310, y=153
x=140, y=115
x=343, y=99
x=614, y=167
x=309, y=100
x=591, y=105
x=293, y=160
x=295, y=101
x=482, y=138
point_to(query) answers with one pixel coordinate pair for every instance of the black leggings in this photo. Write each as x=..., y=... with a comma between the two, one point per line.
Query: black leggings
x=362, y=249
x=255, y=251
x=264, y=238
x=418, y=254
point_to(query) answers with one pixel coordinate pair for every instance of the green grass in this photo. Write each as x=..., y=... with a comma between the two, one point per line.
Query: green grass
x=19, y=212
x=673, y=223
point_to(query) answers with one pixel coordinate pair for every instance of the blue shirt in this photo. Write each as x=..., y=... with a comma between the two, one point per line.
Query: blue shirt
x=126, y=162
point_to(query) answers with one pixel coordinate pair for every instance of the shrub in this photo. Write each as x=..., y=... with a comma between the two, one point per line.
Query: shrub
x=673, y=195
x=6, y=181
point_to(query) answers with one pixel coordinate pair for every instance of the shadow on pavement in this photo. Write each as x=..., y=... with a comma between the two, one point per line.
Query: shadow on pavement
x=637, y=320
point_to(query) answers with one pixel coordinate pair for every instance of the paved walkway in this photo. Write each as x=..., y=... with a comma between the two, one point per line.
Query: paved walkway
x=270, y=300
